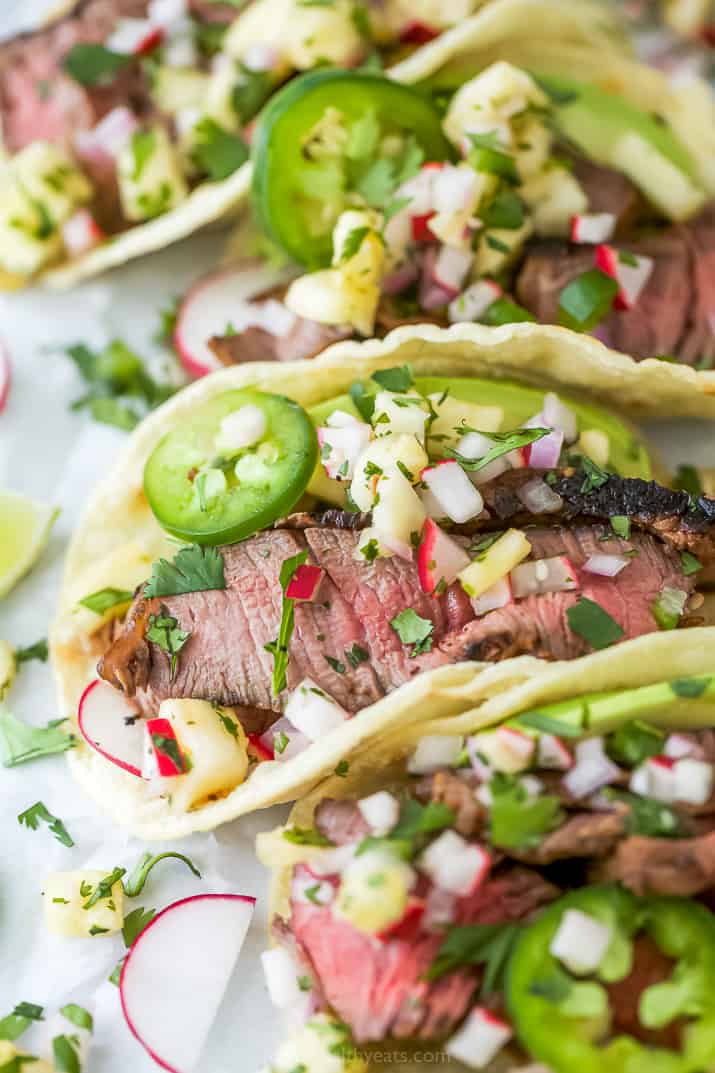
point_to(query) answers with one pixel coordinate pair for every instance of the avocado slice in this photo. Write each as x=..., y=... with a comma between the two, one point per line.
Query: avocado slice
x=681, y=703
x=614, y=132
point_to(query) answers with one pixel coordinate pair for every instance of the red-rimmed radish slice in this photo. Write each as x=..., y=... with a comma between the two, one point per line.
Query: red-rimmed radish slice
x=439, y=558
x=222, y=300
x=539, y=498
x=418, y=33
x=163, y=755
x=593, y=227
x=108, y=723
x=592, y=769
x=81, y=232
x=473, y=303
x=419, y=190
x=499, y=595
x=450, y=268
x=261, y=749
x=5, y=375
x=453, y=490
x=177, y=971
x=630, y=271
x=480, y=1039
x=135, y=37
x=605, y=565
x=408, y=925
x=538, y=576
x=455, y=865
x=552, y=753
x=305, y=582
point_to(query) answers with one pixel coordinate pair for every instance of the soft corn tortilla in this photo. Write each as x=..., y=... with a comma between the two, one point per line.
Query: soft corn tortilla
x=583, y=24
x=118, y=538
x=644, y=661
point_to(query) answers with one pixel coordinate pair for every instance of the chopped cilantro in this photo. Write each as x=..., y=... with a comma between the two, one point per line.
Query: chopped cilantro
x=93, y=64
x=399, y=378
x=143, y=145
x=414, y=630
x=37, y=651
x=356, y=655
x=378, y=181
x=590, y=621
x=305, y=836
x=687, y=479
x=22, y=743
x=370, y=551
x=489, y=945
x=621, y=526
x=647, y=816
x=119, y=389
x=337, y=666
x=280, y=742
x=78, y=1016
x=353, y=242
x=103, y=890
x=416, y=819
x=64, y=1048
x=342, y=769
x=633, y=743
x=504, y=311
x=519, y=821
x=135, y=922
x=134, y=884
x=39, y=813
x=167, y=746
x=593, y=476
x=251, y=92
x=279, y=647
x=194, y=569
x=586, y=300
x=105, y=599
x=504, y=442
x=505, y=211
x=216, y=151
x=165, y=632
x=14, y=1024
x=363, y=402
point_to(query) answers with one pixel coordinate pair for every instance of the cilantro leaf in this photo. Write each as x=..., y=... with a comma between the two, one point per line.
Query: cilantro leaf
x=505, y=211
x=414, y=630
x=504, y=311
x=194, y=569
x=621, y=526
x=504, y=442
x=39, y=813
x=92, y=64
x=66, y=1055
x=353, y=242
x=119, y=389
x=590, y=621
x=14, y=1024
x=105, y=599
x=687, y=479
x=37, y=651
x=364, y=403
x=164, y=631
x=378, y=181
x=586, y=300
x=356, y=655
x=78, y=1016
x=279, y=647
x=135, y=922
x=489, y=945
x=399, y=378
x=251, y=92
x=594, y=477
x=634, y=743
x=416, y=819
x=519, y=821
x=134, y=883
x=216, y=151
x=22, y=743
x=647, y=816
x=489, y=155
x=305, y=836
x=103, y=889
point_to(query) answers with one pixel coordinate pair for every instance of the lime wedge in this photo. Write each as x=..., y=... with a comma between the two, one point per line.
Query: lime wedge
x=24, y=530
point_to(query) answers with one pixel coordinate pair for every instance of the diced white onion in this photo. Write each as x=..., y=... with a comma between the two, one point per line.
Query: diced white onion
x=433, y=752
x=539, y=576
x=592, y=769
x=605, y=565
x=242, y=428
x=453, y=490
x=454, y=864
x=284, y=740
x=281, y=972
x=693, y=781
x=380, y=811
x=581, y=942
x=479, y=1040
x=312, y=711
x=558, y=415
x=472, y=303
x=498, y=595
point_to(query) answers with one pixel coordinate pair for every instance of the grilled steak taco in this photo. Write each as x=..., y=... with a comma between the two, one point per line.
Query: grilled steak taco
x=124, y=124
x=536, y=892
x=519, y=183
x=376, y=529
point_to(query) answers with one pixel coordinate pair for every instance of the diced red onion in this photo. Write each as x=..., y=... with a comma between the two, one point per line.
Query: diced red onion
x=432, y=296
x=558, y=415
x=294, y=745
x=605, y=565
x=592, y=769
x=539, y=576
x=545, y=453
x=539, y=498
x=400, y=278
x=451, y=267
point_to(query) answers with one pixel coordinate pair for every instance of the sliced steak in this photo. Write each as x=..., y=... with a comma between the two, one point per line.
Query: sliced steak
x=587, y=834
x=608, y=191
x=448, y=789
x=677, y=866
x=539, y=625
x=650, y=966
x=673, y=315
x=379, y=988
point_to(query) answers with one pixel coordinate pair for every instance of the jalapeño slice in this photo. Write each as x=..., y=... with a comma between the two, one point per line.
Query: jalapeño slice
x=326, y=135
x=260, y=483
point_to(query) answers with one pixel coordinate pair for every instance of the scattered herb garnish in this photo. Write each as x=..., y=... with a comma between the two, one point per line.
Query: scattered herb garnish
x=280, y=742
x=504, y=442
x=143, y=145
x=279, y=647
x=66, y=1055
x=39, y=813
x=504, y=311
x=593, y=476
x=353, y=242
x=399, y=378
x=103, y=890
x=621, y=526
x=135, y=922
x=647, y=817
x=634, y=743
x=585, y=301
x=169, y=746
x=251, y=92
x=194, y=569
x=416, y=819
x=337, y=666
x=518, y=820
x=363, y=402
x=506, y=211
x=105, y=599
x=92, y=64
x=17, y=1022
x=668, y=607
x=589, y=620
x=481, y=545
x=216, y=151
x=37, y=651
x=489, y=945
x=134, y=883
x=22, y=743
x=119, y=389
x=342, y=769
x=305, y=836
x=78, y=1016
x=413, y=630
x=489, y=155
x=356, y=655
x=165, y=632
x=687, y=479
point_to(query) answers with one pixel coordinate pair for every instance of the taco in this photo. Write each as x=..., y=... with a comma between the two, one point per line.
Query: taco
x=367, y=537
x=526, y=179
x=124, y=123
x=535, y=894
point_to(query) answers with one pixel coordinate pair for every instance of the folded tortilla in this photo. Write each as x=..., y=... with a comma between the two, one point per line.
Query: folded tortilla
x=118, y=538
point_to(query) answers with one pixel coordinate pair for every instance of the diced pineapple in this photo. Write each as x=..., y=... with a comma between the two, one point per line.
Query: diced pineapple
x=453, y=414
x=399, y=513
x=29, y=237
x=303, y=34
x=554, y=197
x=533, y=146
x=374, y=890
x=595, y=443
x=67, y=893
x=319, y=1047
x=665, y=184
x=8, y=667
x=488, y=102
x=48, y=175
x=499, y=248
x=11, y=1059
x=215, y=743
x=398, y=414
x=177, y=88
x=507, y=552
x=381, y=456
x=151, y=181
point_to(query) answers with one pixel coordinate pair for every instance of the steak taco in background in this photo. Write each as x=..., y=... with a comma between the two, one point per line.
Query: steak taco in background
x=526, y=179
x=355, y=549
x=125, y=123
x=538, y=891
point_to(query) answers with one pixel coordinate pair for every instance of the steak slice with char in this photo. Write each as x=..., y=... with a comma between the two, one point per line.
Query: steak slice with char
x=673, y=866
x=379, y=988
x=608, y=191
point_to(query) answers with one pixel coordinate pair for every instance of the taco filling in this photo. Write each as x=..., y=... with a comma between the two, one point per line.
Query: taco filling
x=114, y=113
x=315, y=586
x=537, y=892
x=552, y=200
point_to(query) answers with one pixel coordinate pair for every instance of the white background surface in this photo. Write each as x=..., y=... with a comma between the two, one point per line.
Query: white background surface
x=56, y=455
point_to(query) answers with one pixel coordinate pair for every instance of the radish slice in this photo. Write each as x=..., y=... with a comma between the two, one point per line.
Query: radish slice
x=262, y=749
x=439, y=558
x=81, y=233
x=451, y=267
x=558, y=415
x=592, y=770
x=163, y=755
x=593, y=227
x=480, y=1039
x=552, y=753
x=108, y=723
x=305, y=582
x=630, y=277
x=605, y=565
x=455, y=865
x=543, y=575
x=134, y=37
x=453, y=490
x=176, y=973
x=222, y=299
x=5, y=375
x=499, y=595
x=473, y=303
